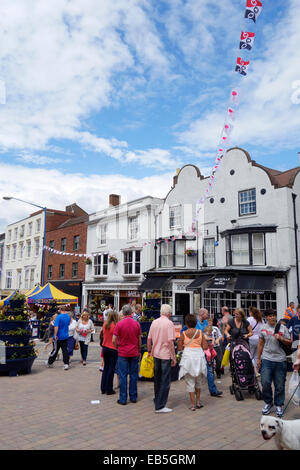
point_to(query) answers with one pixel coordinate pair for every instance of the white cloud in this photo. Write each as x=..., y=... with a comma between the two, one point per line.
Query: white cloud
x=267, y=116
x=55, y=190
x=61, y=61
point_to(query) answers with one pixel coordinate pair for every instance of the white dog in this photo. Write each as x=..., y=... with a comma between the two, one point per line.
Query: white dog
x=287, y=433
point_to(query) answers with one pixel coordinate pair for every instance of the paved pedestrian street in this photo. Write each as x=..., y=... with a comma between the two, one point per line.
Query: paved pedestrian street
x=51, y=409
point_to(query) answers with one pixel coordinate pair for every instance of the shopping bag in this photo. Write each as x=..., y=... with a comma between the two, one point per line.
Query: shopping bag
x=225, y=360
x=294, y=388
x=147, y=366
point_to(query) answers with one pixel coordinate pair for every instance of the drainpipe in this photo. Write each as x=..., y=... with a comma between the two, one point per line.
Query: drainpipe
x=296, y=245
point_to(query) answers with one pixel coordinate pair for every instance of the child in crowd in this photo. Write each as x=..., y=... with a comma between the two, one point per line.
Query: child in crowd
x=210, y=351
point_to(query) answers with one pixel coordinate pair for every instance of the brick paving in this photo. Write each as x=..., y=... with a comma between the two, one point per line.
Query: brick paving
x=51, y=409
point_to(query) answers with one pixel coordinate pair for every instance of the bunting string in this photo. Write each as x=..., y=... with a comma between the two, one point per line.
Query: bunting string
x=252, y=12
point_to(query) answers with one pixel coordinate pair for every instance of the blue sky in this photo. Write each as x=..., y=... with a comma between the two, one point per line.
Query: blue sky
x=111, y=97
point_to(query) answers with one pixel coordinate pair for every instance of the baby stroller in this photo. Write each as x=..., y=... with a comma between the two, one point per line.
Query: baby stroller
x=242, y=371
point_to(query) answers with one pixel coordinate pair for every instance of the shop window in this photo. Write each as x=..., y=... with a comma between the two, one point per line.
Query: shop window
x=209, y=252
x=167, y=297
x=210, y=301
x=247, y=202
x=100, y=264
x=228, y=299
x=132, y=262
x=74, y=269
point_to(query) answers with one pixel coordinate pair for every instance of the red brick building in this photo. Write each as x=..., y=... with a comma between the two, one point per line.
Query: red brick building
x=64, y=271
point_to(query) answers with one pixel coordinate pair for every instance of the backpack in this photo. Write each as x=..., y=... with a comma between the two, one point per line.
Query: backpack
x=287, y=349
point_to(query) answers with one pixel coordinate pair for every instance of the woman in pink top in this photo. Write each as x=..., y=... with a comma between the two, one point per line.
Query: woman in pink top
x=193, y=362
x=110, y=353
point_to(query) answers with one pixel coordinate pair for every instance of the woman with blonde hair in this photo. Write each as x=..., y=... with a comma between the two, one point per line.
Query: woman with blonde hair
x=238, y=327
x=84, y=329
x=110, y=353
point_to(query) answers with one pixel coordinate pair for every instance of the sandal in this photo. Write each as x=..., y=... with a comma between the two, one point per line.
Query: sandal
x=199, y=405
x=192, y=408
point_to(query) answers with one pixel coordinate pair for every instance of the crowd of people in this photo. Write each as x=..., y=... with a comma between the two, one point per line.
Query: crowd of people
x=201, y=346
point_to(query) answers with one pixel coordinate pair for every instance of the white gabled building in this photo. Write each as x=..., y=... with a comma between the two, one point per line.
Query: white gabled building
x=246, y=250
x=126, y=232
x=23, y=250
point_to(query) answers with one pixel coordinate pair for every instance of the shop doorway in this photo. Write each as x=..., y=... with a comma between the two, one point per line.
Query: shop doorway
x=182, y=304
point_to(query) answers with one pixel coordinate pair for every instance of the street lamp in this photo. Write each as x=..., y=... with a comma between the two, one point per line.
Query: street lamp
x=8, y=198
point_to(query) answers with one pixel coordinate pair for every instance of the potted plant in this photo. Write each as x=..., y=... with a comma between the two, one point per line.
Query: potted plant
x=88, y=261
x=112, y=259
x=190, y=252
x=16, y=334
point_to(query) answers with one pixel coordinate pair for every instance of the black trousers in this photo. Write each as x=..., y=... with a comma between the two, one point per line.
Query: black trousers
x=57, y=345
x=110, y=357
x=162, y=382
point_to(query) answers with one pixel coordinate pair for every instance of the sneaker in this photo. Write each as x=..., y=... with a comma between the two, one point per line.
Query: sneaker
x=164, y=410
x=266, y=409
x=66, y=367
x=47, y=364
x=217, y=394
x=279, y=411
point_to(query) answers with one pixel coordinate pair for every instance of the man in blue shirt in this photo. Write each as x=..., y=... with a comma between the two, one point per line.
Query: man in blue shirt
x=61, y=335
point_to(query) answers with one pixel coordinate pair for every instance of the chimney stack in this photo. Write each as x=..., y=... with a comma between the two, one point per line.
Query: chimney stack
x=114, y=200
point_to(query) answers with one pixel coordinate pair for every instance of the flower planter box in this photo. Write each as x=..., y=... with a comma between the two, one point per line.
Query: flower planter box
x=15, y=339
x=22, y=350
x=153, y=303
x=17, y=366
x=18, y=303
x=6, y=325
x=145, y=326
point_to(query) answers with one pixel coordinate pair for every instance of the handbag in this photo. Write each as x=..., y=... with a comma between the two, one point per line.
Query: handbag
x=76, y=346
x=286, y=348
x=147, y=366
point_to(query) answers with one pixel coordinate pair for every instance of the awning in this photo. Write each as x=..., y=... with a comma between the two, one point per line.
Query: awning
x=153, y=283
x=221, y=282
x=49, y=294
x=254, y=283
x=197, y=283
